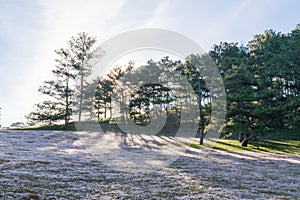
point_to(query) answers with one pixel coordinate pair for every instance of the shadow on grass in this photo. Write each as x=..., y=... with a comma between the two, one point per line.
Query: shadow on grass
x=230, y=145
x=271, y=146
x=277, y=146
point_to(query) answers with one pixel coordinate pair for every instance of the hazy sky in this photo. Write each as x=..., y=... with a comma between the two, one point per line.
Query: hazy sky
x=31, y=30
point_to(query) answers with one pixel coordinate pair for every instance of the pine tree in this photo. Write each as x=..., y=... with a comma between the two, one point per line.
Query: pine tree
x=46, y=112
x=59, y=88
x=82, y=50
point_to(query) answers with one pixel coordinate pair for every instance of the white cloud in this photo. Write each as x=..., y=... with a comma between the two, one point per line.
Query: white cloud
x=162, y=16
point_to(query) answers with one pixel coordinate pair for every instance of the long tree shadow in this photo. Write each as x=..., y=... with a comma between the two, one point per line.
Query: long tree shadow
x=278, y=146
x=246, y=172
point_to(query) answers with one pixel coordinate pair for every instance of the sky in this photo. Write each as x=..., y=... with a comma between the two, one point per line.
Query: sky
x=31, y=30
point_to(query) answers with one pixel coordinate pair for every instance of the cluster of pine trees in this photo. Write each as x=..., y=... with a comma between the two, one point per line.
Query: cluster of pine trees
x=72, y=63
x=262, y=83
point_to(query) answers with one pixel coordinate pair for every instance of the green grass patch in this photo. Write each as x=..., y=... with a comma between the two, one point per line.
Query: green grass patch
x=272, y=146
x=277, y=146
x=222, y=144
x=284, y=141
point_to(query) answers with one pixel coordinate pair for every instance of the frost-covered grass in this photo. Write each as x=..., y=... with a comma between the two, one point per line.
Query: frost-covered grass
x=53, y=165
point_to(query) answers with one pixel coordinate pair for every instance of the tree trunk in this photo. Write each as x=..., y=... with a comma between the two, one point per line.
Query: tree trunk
x=98, y=115
x=80, y=101
x=110, y=111
x=67, y=102
x=246, y=140
x=80, y=98
x=241, y=137
x=201, y=139
x=91, y=113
